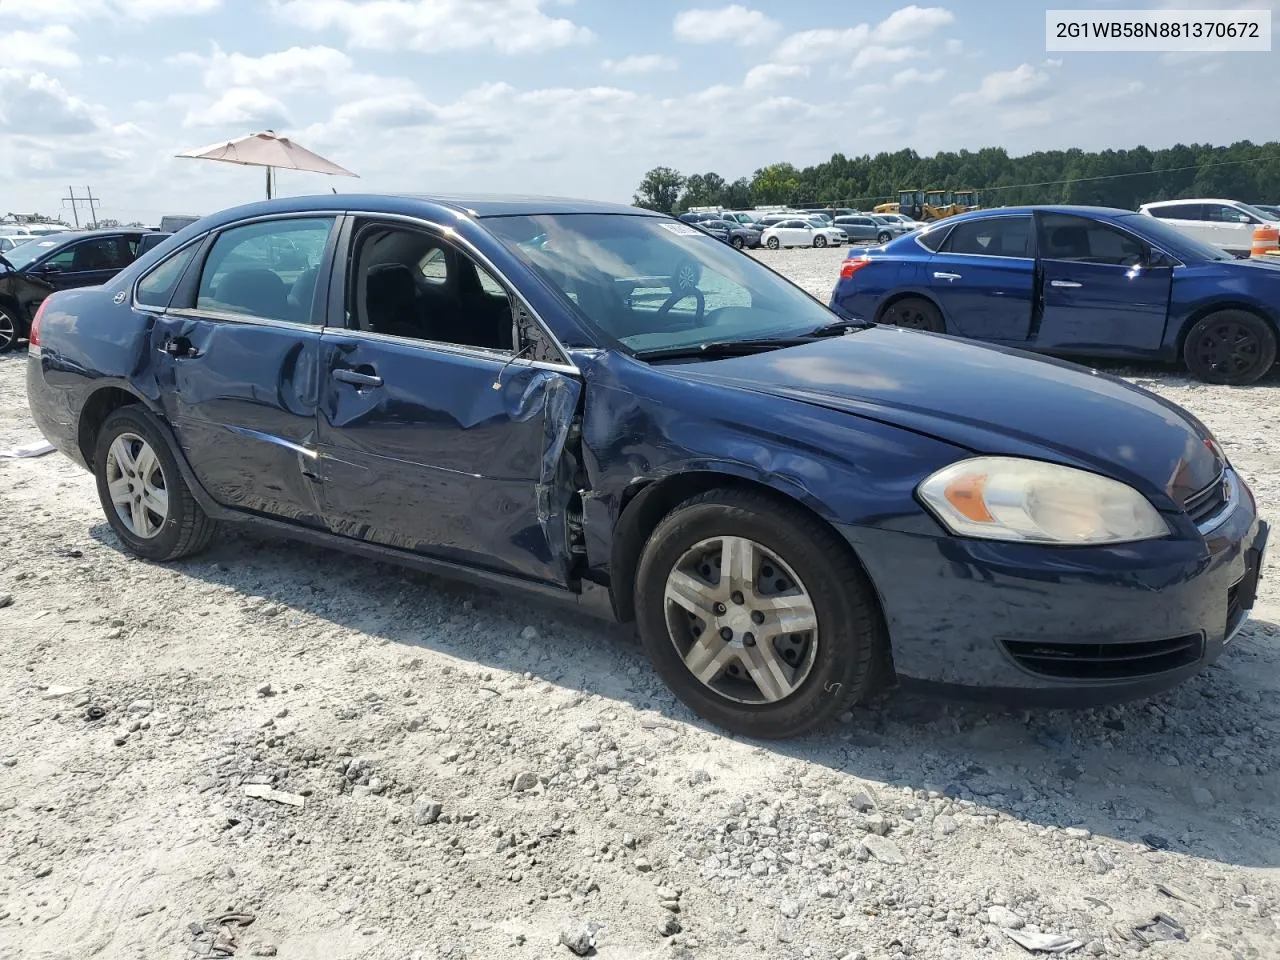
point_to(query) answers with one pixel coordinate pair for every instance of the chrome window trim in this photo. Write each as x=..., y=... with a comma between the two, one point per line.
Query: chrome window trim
x=451, y=234
x=252, y=319
x=500, y=358
x=134, y=302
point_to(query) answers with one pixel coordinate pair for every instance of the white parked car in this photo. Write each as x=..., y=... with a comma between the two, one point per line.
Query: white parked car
x=800, y=233
x=8, y=242
x=1228, y=224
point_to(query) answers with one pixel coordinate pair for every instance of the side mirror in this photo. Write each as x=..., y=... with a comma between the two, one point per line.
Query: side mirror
x=47, y=268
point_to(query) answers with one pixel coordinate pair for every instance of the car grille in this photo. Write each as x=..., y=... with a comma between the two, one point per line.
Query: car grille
x=1204, y=505
x=1105, y=661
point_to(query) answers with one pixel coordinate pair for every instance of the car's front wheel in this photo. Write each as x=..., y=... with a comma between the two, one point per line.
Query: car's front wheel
x=143, y=495
x=1232, y=347
x=756, y=615
x=773, y=243
x=819, y=241
x=884, y=236
x=9, y=330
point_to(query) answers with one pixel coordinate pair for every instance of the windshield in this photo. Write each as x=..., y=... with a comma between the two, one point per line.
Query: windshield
x=1175, y=241
x=27, y=253
x=1259, y=212
x=650, y=283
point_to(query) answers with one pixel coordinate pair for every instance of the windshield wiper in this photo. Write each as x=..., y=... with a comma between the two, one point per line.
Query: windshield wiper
x=713, y=349
x=840, y=327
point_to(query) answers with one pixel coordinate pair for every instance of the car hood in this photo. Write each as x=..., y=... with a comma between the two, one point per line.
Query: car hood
x=989, y=400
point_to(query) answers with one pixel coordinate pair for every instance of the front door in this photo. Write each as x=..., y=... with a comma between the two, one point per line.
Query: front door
x=1232, y=229
x=433, y=437
x=89, y=262
x=1101, y=292
x=984, y=277
x=237, y=357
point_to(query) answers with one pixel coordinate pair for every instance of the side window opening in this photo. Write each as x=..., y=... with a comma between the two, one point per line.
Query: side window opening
x=412, y=283
x=1079, y=240
x=266, y=270
x=157, y=287
x=992, y=237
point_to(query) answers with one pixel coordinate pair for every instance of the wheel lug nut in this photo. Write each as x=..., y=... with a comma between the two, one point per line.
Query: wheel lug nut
x=720, y=609
x=757, y=616
x=737, y=596
x=726, y=633
x=748, y=639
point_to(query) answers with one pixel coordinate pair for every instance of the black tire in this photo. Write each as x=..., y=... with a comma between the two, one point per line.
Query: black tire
x=186, y=528
x=773, y=243
x=1232, y=347
x=819, y=241
x=738, y=243
x=10, y=328
x=914, y=313
x=850, y=629
x=883, y=236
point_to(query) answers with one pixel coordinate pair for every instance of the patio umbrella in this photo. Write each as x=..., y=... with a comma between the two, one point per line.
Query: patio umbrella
x=266, y=149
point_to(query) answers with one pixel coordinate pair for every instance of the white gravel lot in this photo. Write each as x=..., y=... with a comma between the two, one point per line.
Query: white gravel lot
x=482, y=775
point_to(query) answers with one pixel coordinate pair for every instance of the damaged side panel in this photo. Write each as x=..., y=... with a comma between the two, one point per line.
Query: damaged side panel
x=464, y=457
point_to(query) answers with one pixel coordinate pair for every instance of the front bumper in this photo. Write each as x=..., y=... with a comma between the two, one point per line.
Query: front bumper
x=1060, y=627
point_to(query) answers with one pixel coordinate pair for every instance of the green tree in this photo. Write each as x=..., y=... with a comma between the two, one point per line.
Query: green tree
x=776, y=183
x=659, y=189
x=703, y=190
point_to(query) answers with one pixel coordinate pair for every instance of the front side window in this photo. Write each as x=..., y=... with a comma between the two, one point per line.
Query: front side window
x=265, y=270
x=98, y=253
x=1221, y=213
x=157, y=287
x=648, y=284
x=992, y=237
x=1079, y=240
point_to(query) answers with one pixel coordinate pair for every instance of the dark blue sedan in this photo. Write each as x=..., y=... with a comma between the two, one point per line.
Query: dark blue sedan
x=1074, y=281
x=606, y=406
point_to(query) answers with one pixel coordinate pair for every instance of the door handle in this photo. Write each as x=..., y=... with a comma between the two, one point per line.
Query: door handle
x=180, y=348
x=347, y=375
x=1068, y=284
x=946, y=276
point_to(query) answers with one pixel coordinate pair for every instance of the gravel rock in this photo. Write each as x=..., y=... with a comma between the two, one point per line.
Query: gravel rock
x=883, y=849
x=524, y=781
x=1002, y=916
x=426, y=811
x=669, y=926
x=580, y=938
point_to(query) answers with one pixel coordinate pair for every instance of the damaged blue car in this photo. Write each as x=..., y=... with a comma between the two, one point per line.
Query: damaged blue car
x=606, y=406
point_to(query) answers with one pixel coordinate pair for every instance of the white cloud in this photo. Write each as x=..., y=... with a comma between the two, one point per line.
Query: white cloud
x=37, y=104
x=813, y=46
x=1052, y=62
x=295, y=68
x=732, y=23
x=66, y=11
x=435, y=26
x=911, y=23
x=954, y=46
x=875, y=56
x=1006, y=86
x=640, y=63
x=238, y=108
x=48, y=47
x=915, y=75
x=767, y=74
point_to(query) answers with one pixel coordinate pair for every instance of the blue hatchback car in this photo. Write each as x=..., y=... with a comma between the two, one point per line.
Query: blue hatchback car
x=606, y=406
x=1074, y=281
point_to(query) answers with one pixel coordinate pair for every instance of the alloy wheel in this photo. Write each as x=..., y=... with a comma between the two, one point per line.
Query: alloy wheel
x=1228, y=348
x=741, y=620
x=8, y=331
x=137, y=486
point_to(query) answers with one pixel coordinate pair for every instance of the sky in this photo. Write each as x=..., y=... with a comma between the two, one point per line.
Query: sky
x=565, y=97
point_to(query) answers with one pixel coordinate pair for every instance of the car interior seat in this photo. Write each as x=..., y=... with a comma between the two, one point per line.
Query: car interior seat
x=255, y=290
x=391, y=301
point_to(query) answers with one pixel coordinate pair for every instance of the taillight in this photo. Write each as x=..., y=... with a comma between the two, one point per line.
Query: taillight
x=851, y=266
x=33, y=336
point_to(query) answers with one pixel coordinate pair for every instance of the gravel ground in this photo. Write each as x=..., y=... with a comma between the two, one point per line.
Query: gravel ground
x=276, y=750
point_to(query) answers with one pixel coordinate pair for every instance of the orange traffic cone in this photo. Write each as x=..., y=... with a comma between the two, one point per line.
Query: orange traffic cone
x=1266, y=241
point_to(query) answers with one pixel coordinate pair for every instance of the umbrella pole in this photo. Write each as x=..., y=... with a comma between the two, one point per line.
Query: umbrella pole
x=268, y=183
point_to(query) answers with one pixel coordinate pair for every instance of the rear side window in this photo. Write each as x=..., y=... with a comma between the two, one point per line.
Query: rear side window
x=932, y=239
x=1179, y=211
x=156, y=288
x=266, y=270
x=1079, y=240
x=992, y=237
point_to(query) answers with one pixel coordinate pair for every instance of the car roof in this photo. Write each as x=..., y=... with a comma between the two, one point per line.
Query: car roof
x=472, y=205
x=1104, y=213
x=80, y=234
x=1161, y=203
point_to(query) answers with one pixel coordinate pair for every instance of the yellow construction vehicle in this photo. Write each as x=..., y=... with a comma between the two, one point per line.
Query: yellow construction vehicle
x=886, y=208
x=930, y=205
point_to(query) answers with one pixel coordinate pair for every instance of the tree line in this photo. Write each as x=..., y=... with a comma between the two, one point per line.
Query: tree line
x=1112, y=178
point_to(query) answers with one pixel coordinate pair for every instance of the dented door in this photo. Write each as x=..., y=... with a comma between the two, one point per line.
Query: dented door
x=420, y=451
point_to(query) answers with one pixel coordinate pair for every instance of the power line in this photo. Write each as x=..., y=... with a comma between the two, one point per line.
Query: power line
x=89, y=198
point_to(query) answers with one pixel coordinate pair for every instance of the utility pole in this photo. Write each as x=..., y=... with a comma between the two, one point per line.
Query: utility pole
x=89, y=198
x=93, y=213
x=71, y=195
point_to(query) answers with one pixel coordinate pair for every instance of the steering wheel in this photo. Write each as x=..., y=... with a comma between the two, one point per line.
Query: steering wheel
x=678, y=295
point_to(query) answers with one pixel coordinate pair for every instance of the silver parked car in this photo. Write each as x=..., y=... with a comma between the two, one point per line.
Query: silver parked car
x=867, y=227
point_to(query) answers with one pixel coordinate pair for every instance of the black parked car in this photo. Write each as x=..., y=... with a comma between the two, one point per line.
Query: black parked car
x=60, y=261
x=736, y=234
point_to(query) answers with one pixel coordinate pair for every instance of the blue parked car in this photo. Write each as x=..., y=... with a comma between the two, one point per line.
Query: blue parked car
x=606, y=406
x=1074, y=281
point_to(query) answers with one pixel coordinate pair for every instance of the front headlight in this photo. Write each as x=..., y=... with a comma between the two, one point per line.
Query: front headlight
x=1007, y=498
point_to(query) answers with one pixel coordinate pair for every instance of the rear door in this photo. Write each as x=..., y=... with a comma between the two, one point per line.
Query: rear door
x=1188, y=218
x=434, y=436
x=237, y=355
x=1103, y=291
x=984, y=277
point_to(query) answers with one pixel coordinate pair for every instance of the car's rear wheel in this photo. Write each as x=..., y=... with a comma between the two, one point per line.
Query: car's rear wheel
x=914, y=313
x=8, y=330
x=819, y=241
x=772, y=243
x=1230, y=347
x=756, y=615
x=884, y=236
x=738, y=243
x=143, y=494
